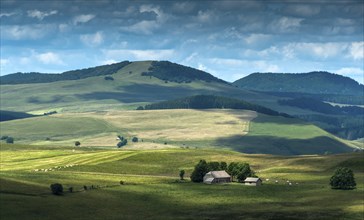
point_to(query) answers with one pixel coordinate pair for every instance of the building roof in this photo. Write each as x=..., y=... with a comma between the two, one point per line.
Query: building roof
x=208, y=180
x=252, y=179
x=219, y=174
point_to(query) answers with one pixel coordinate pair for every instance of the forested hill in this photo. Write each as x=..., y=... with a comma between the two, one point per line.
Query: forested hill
x=209, y=102
x=33, y=77
x=173, y=72
x=312, y=82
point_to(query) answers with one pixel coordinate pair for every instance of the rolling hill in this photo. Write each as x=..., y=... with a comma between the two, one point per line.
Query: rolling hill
x=311, y=83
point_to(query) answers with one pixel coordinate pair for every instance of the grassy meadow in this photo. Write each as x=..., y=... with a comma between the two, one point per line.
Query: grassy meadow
x=152, y=189
x=240, y=130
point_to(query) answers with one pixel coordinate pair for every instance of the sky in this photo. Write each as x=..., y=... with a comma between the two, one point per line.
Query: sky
x=228, y=38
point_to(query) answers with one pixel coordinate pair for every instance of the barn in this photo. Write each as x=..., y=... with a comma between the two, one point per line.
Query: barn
x=252, y=181
x=217, y=177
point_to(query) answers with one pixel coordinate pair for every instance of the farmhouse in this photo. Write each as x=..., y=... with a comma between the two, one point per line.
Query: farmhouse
x=252, y=181
x=217, y=177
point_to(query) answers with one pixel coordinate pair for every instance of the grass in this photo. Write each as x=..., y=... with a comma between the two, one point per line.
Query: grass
x=152, y=189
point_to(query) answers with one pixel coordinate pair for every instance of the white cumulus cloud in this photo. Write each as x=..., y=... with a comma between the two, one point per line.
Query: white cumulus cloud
x=39, y=14
x=49, y=58
x=83, y=18
x=92, y=39
x=356, y=50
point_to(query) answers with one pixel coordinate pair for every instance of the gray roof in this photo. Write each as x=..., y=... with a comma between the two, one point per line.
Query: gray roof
x=219, y=174
x=252, y=179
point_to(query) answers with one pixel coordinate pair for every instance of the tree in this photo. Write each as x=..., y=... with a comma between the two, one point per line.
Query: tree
x=343, y=178
x=4, y=137
x=232, y=169
x=135, y=139
x=181, y=174
x=57, y=189
x=140, y=108
x=223, y=165
x=244, y=171
x=77, y=143
x=199, y=172
x=10, y=140
x=213, y=166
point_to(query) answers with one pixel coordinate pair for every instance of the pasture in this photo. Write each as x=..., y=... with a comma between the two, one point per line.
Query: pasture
x=152, y=189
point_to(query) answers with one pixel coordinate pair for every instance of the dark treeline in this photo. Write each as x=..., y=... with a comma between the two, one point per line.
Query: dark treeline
x=172, y=72
x=347, y=127
x=209, y=102
x=25, y=78
x=322, y=107
x=344, y=99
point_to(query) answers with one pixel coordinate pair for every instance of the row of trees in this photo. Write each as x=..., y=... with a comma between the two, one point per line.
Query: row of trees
x=240, y=171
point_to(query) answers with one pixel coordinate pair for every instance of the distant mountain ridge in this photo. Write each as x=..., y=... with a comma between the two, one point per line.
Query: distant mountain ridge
x=317, y=82
x=163, y=70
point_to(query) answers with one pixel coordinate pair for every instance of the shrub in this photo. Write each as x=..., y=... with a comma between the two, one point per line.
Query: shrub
x=70, y=189
x=77, y=143
x=9, y=140
x=343, y=178
x=57, y=189
x=121, y=182
x=140, y=108
x=135, y=139
x=181, y=174
x=108, y=78
x=4, y=137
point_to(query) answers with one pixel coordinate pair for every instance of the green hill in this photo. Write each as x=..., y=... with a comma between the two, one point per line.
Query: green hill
x=312, y=82
x=128, y=88
x=320, y=85
x=26, y=78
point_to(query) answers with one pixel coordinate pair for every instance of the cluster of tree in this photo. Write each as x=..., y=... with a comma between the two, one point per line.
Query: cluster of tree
x=344, y=126
x=210, y=101
x=172, y=72
x=7, y=139
x=109, y=78
x=22, y=78
x=318, y=82
x=240, y=171
x=343, y=178
x=10, y=115
x=122, y=141
x=322, y=107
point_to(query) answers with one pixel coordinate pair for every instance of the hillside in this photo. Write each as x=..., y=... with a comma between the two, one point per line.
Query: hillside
x=126, y=88
x=209, y=102
x=239, y=130
x=320, y=85
x=312, y=82
x=152, y=190
x=26, y=78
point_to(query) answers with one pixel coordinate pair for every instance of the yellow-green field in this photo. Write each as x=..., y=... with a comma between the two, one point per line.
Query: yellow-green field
x=241, y=130
x=152, y=190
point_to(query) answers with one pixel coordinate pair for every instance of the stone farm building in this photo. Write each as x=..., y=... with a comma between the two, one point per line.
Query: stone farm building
x=217, y=177
x=252, y=181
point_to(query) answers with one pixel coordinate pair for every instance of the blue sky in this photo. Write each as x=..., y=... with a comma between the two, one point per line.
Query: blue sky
x=229, y=39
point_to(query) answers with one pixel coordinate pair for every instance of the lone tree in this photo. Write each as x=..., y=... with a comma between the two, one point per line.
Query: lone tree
x=77, y=143
x=181, y=174
x=135, y=139
x=199, y=172
x=122, y=143
x=57, y=189
x=343, y=178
